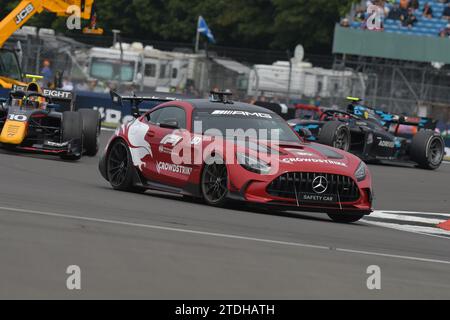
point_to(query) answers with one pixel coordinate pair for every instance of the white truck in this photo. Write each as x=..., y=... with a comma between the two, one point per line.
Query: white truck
x=305, y=81
x=144, y=67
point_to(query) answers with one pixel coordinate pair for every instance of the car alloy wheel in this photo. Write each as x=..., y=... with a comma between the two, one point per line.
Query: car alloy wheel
x=436, y=151
x=342, y=139
x=118, y=164
x=215, y=183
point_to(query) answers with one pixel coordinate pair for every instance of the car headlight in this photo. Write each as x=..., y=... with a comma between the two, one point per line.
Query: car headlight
x=361, y=172
x=252, y=164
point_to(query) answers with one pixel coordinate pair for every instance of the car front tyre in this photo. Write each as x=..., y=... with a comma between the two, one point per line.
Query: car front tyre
x=91, y=131
x=345, y=218
x=335, y=134
x=214, y=183
x=119, y=167
x=72, y=130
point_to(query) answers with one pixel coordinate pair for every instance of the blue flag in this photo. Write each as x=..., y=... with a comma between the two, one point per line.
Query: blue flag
x=204, y=29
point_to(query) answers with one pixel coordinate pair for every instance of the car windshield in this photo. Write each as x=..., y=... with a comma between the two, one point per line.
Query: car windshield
x=9, y=66
x=108, y=69
x=268, y=126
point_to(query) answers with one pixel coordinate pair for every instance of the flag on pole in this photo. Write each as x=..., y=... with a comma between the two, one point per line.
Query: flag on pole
x=204, y=29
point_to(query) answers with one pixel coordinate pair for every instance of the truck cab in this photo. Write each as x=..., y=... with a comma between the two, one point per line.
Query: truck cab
x=10, y=71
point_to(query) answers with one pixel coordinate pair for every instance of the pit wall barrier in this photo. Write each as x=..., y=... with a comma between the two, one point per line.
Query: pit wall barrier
x=114, y=115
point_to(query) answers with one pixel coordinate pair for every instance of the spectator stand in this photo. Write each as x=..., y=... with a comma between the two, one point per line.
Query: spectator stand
x=424, y=25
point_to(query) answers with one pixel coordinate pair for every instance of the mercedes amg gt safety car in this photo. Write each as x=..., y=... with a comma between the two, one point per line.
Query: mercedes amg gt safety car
x=29, y=121
x=188, y=147
x=375, y=135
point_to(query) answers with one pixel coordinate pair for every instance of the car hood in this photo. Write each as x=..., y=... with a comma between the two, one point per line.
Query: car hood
x=312, y=157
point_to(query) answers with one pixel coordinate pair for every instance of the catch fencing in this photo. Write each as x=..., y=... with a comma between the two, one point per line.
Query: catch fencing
x=395, y=86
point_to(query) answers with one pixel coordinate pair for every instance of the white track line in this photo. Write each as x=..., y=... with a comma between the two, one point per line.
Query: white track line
x=414, y=212
x=411, y=228
x=222, y=235
x=404, y=217
x=408, y=216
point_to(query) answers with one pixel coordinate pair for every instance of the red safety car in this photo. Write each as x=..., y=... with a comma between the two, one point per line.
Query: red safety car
x=206, y=149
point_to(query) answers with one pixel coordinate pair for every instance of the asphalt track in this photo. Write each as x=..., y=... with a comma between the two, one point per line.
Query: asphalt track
x=54, y=214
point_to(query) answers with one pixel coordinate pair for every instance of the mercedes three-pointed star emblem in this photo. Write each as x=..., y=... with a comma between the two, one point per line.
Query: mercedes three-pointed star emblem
x=320, y=184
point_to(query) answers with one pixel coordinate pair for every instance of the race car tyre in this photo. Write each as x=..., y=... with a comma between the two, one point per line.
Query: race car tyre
x=427, y=149
x=214, y=183
x=335, y=134
x=119, y=167
x=345, y=218
x=91, y=131
x=72, y=129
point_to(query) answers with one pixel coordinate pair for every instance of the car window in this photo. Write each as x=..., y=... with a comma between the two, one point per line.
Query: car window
x=173, y=113
x=153, y=116
x=168, y=113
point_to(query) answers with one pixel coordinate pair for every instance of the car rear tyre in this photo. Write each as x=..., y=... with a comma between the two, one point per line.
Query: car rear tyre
x=72, y=130
x=335, y=134
x=345, y=218
x=214, y=183
x=91, y=131
x=427, y=149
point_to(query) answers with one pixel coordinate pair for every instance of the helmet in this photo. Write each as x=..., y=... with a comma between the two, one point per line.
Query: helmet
x=34, y=103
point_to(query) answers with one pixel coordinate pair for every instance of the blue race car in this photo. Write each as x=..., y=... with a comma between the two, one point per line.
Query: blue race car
x=375, y=135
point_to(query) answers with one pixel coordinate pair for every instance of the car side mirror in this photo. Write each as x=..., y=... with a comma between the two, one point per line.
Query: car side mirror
x=169, y=124
x=305, y=133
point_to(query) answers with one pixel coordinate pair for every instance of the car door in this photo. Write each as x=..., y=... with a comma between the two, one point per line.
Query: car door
x=167, y=131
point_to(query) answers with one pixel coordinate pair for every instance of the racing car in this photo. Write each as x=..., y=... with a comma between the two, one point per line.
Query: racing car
x=186, y=147
x=29, y=121
x=374, y=135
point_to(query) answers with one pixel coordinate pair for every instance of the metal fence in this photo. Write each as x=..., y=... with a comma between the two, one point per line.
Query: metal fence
x=68, y=58
x=396, y=86
x=400, y=86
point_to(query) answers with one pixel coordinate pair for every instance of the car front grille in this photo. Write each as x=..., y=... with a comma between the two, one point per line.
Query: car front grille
x=287, y=185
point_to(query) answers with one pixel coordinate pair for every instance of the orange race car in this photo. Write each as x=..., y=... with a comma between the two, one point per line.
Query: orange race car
x=29, y=122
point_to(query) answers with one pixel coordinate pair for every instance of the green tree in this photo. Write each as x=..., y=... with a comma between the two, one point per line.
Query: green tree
x=264, y=24
x=309, y=22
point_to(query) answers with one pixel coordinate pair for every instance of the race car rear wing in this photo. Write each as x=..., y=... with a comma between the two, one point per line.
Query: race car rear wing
x=62, y=98
x=136, y=101
x=49, y=93
x=386, y=118
x=421, y=122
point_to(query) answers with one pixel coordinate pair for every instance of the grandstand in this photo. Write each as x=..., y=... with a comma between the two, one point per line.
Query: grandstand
x=406, y=69
x=425, y=26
